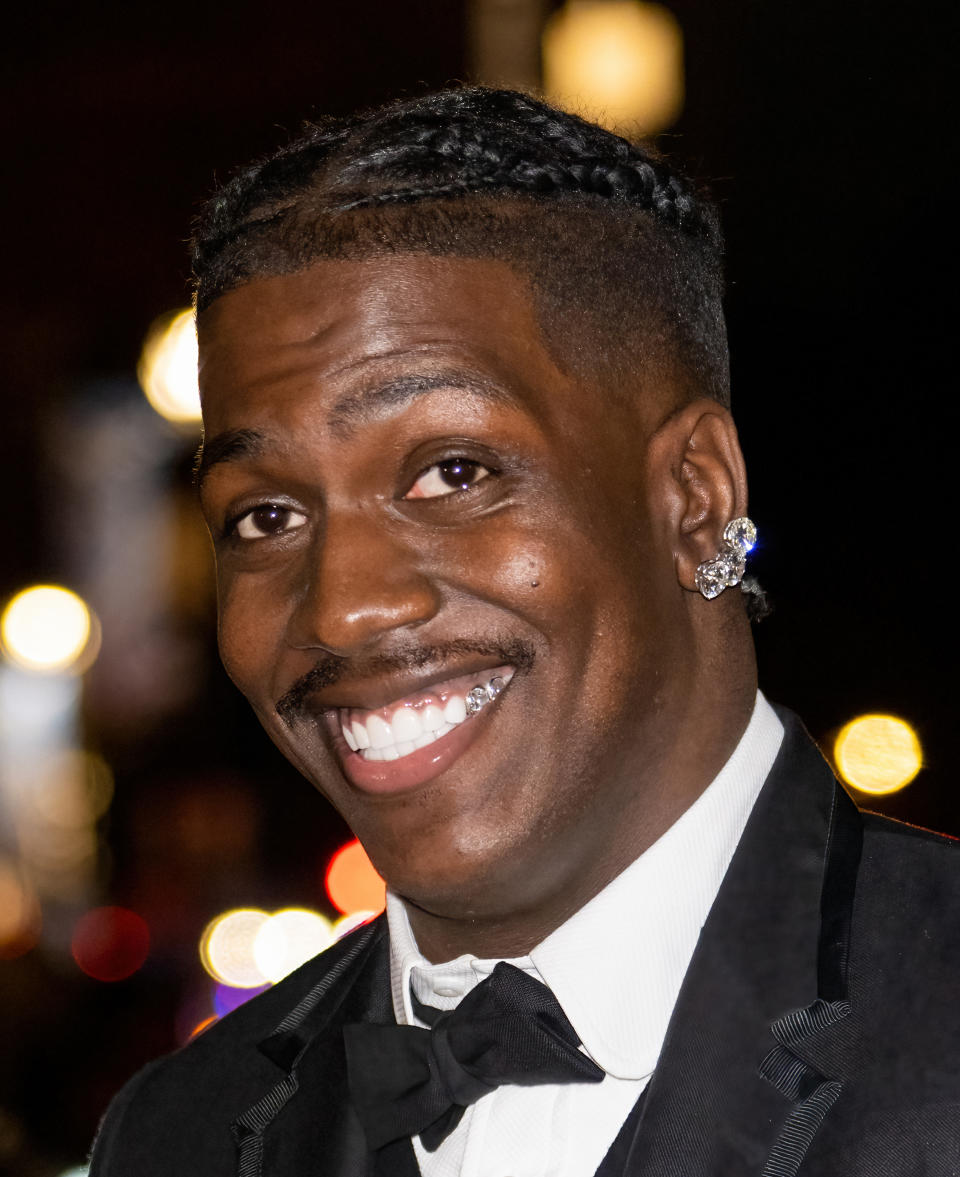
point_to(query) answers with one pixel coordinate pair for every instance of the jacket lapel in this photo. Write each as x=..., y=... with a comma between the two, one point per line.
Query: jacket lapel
x=761, y=1028
x=304, y=1123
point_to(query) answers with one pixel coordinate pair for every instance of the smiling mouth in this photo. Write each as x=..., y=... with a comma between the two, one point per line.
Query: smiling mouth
x=413, y=723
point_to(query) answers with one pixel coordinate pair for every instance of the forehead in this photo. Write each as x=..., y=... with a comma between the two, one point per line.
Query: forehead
x=340, y=324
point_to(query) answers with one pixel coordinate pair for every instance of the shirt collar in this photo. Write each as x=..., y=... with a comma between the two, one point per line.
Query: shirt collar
x=616, y=966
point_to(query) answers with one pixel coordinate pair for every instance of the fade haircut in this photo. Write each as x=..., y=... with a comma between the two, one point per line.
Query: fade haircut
x=622, y=254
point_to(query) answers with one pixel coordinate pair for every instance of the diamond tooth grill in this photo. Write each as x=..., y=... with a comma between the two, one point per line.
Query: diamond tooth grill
x=476, y=700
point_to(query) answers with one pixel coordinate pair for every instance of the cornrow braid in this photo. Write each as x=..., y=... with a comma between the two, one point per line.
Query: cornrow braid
x=613, y=239
x=558, y=154
x=636, y=183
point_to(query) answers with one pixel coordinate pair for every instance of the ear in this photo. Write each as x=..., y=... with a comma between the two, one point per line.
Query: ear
x=698, y=481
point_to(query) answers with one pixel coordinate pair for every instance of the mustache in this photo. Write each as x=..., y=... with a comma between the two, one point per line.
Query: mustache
x=330, y=669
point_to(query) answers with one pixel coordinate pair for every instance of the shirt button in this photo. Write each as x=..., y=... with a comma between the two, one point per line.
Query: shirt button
x=447, y=991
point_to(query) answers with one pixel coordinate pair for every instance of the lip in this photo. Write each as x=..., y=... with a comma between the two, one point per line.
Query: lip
x=416, y=768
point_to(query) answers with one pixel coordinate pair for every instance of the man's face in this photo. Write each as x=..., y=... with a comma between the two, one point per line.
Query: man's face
x=410, y=501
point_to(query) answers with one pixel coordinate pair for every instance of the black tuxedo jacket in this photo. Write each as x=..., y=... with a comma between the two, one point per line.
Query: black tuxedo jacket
x=817, y=1030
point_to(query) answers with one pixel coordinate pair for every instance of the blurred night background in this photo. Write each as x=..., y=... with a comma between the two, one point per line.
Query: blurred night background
x=139, y=799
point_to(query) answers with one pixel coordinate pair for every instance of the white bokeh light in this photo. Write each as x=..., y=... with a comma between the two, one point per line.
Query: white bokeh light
x=289, y=939
x=227, y=948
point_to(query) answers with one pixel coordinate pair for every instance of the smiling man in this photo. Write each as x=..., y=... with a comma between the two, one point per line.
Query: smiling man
x=479, y=513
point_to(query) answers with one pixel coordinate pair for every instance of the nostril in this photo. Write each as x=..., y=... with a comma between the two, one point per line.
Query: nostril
x=346, y=610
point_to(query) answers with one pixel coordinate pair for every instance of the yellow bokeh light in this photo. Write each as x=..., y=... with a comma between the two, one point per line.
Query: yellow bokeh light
x=619, y=62
x=48, y=628
x=167, y=370
x=289, y=939
x=878, y=753
x=227, y=948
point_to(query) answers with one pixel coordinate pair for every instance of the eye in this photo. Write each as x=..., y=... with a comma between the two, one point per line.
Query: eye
x=266, y=520
x=447, y=477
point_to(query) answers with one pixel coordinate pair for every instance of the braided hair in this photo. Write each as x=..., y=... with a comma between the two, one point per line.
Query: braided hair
x=622, y=253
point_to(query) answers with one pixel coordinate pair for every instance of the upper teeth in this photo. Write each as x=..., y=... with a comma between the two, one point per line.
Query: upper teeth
x=410, y=727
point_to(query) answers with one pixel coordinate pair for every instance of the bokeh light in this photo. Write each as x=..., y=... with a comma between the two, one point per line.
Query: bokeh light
x=71, y=789
x=878, y=753
x=349, y=922
x=110, y=943
x=195, y=1007
x=227, y=998
x=352, y=881
x=167, y=370
x=289, y=939
x=226, y=948
x=617, y=61
x=57, y=850
x=203, y=1024
x=47, y=628
x=19, y=912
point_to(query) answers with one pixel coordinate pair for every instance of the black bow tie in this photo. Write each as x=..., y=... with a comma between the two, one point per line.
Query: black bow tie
x=406, y=1081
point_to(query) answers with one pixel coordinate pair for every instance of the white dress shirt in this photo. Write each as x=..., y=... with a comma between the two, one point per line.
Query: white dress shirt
x=616, y=967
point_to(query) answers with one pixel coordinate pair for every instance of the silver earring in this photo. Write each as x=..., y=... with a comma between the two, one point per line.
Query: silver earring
x=729, y=565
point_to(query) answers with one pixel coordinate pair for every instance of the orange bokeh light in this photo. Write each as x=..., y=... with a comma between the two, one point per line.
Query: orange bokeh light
x=19, y=912
x=110, y=943
x=205, y=1024
x=353, y=883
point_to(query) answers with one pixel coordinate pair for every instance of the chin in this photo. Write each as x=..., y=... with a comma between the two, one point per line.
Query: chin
x=472, y=878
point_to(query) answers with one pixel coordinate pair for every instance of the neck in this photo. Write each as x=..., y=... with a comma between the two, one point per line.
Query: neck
x=497, y=937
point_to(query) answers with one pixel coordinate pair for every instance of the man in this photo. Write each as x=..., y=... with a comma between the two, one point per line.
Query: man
x=479, y=513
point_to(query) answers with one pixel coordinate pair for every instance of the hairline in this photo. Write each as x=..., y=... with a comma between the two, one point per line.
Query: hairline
x=361, y=246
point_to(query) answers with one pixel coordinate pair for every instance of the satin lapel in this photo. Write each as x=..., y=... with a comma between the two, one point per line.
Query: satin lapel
x=750, y=998
x=304, y=1124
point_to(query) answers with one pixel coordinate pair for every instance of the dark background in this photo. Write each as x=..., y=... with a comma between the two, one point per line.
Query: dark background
x=827, y=132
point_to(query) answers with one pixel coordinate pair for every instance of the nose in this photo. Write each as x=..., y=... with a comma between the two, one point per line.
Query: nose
x=359, y=583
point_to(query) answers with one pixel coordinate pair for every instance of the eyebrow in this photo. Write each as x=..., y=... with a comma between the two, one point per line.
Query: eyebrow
x=231, y=446
x=358, y=407
x=235, y=445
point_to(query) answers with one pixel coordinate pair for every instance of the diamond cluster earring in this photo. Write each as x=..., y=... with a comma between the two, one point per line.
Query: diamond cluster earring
x=730, y=563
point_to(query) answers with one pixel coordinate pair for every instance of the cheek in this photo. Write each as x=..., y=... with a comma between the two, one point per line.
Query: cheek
x=581, y=597
x=249, y=632
x=529, y=564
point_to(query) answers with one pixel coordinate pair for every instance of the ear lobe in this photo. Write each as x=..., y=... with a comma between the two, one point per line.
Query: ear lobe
x=704, y=479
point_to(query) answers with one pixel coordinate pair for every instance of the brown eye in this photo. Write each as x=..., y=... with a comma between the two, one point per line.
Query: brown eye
x=268, y=519
x=447, y=477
